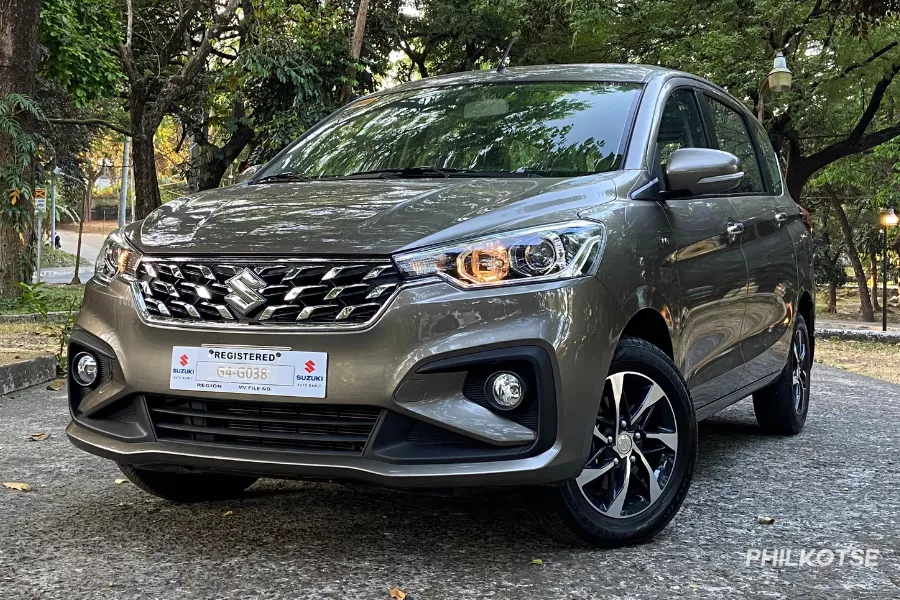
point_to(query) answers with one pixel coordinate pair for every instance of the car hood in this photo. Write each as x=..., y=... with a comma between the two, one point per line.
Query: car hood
x=373, y=217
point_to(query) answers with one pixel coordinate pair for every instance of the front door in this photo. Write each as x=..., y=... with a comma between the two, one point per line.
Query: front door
x=712, y=272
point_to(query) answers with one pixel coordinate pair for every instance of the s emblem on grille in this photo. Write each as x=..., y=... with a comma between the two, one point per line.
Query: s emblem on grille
x=244, y=295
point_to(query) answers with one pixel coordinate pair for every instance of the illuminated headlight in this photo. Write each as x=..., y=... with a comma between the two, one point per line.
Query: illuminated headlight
x=549, y=253
x=116, y=258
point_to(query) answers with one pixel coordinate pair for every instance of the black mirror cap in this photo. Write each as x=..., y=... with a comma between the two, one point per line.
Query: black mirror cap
x=700, y=171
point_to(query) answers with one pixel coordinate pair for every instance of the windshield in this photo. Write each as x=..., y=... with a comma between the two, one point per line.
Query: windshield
x=552, y=129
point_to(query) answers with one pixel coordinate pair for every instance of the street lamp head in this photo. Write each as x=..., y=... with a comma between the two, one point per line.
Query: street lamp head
x=58, y=171
x=890, y=218
x=780, y=76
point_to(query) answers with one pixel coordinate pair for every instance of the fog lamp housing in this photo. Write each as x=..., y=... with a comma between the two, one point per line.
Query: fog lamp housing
x=506, y=390
x=85, y=369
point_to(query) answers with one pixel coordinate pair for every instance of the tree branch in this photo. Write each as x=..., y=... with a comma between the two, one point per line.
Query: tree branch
x=174, y=85
x=93, y=121
x=850, y=68
x=177, y=38
x=874, y=103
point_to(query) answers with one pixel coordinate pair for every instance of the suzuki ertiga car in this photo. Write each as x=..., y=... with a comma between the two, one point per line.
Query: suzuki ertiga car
x=537, y=277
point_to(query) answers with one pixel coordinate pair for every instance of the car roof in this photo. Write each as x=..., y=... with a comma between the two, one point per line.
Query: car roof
x=619, y=73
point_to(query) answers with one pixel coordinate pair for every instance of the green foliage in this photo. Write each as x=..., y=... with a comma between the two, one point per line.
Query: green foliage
x=292, y=75
x=34, y=298
x=77, y=35
x=15, y=109
x=57, y=298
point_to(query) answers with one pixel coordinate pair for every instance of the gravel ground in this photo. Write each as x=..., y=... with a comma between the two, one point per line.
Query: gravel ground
x=78, y=534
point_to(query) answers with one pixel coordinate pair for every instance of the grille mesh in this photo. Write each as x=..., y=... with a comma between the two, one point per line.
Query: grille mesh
x=277, y=426
x=266, y=292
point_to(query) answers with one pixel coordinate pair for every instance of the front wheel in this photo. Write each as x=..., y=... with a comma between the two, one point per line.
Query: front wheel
x=642, y=454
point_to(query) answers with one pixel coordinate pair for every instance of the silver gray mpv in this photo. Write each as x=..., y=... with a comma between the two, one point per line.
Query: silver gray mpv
x=535, y=277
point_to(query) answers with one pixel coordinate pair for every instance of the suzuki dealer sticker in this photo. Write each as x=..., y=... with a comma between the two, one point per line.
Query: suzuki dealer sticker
x=249, y=371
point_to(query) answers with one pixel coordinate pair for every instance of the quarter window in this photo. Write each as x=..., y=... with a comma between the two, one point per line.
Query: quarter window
x=770, y=158
x=732, y=136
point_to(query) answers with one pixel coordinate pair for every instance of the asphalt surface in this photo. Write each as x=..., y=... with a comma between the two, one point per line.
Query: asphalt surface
x=90, y=249
x=78, y=534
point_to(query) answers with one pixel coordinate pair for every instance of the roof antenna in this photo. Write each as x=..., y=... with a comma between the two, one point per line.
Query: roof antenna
x=502, y=66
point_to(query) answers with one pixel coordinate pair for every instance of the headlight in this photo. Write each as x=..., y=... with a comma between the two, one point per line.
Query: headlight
x=116, y=257
x=548, y=253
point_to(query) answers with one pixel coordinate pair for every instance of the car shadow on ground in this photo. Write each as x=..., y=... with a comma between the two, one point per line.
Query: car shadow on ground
x=343, y=521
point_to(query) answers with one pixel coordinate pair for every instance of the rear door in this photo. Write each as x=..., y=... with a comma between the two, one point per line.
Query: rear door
x=712, y=272
x=765, y=212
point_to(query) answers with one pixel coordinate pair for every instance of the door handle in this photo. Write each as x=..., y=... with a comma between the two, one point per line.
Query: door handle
x=735, y=229
x=781, y=217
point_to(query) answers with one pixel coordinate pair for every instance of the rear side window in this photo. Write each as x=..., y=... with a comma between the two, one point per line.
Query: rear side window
x=681, y=126
x=732, y=136
x=770, y=158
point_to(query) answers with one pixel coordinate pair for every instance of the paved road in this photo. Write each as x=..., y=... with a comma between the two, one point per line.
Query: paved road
x=79, y=535
x=90, y=249
x=90, y=243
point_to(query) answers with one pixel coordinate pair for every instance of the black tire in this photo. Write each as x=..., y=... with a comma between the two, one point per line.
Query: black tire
x=566, y=510
x=187, y=487
x=779, y=407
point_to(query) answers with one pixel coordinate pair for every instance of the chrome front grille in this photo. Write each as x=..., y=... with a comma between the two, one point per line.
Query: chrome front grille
x=265, y=292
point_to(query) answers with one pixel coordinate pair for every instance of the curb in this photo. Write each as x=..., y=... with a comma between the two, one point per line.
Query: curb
x=26, y=373
x=860, y=335
x=34, y=317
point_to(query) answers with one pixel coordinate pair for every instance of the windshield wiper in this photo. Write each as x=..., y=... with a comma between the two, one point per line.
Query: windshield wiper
x=429, y=171
x=287, y=176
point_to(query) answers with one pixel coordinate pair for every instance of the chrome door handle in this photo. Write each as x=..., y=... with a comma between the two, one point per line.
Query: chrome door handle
x=781, y=217
x=735, y=228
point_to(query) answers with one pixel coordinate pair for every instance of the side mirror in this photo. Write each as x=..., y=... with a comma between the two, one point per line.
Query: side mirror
x=247, y=173
x=703, y=171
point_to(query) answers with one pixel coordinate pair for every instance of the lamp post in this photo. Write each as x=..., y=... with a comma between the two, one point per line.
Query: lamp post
x=890, y=219
x=778, y=80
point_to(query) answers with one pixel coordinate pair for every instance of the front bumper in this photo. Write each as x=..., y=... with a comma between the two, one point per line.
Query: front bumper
x=412, y=363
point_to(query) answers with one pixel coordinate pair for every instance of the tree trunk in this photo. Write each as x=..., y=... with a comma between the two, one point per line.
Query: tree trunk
x=873, y=273
x=356, y=42
x=146, y=185
x=865, y=301
x=19, y=22
x=832, y=298
x=86, y=207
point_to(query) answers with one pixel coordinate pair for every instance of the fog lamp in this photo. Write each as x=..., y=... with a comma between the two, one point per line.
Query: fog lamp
x=85, y=369
x=507, y=390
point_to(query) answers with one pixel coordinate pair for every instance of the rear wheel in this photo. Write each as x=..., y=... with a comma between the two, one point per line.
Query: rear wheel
x=642, y=454
x=782, y=406
x=187, y=487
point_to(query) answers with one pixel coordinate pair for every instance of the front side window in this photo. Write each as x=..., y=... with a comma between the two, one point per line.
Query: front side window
x=681, y=126
x=552, y=129
x=732, y=136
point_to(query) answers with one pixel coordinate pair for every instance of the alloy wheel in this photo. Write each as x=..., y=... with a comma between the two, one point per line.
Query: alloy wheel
x=634, y=449
x=799, y=374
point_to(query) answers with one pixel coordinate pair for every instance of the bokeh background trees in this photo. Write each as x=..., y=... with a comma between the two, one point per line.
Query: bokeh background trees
x=205, y=89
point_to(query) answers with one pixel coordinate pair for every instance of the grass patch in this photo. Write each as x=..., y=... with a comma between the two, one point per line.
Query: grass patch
x=881, y=361
x=52, y=258
x=848, y=305
x=58, y=297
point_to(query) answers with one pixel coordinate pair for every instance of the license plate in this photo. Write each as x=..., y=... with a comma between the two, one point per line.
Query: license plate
x=249, y=371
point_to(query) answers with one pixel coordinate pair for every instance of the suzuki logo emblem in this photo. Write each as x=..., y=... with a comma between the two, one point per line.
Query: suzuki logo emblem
x=244, y=295
x=310, y=366
x=183, y=360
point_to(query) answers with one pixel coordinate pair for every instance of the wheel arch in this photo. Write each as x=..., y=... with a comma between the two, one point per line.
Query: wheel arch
x=650, y=325
x=806, y=308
